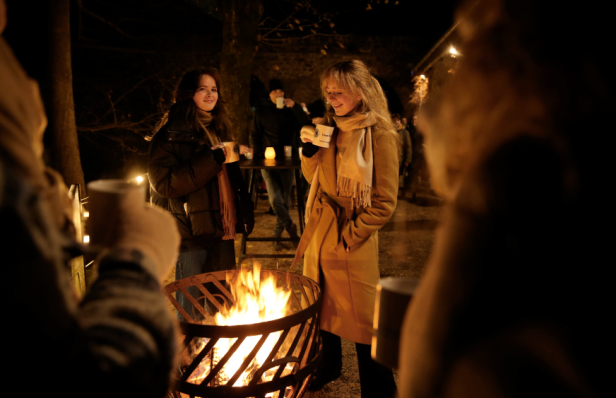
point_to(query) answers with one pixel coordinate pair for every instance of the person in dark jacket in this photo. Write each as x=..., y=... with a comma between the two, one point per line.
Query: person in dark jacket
x=188, y=177
x=278, y=127
x=407, y=151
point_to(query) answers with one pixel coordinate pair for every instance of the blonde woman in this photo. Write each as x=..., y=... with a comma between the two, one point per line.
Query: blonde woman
x=353, y=194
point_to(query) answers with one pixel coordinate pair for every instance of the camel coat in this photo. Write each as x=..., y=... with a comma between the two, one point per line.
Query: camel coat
x=341, y=244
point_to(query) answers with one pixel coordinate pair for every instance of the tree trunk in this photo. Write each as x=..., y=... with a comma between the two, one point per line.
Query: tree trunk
x=240, y=20
x=64, y=154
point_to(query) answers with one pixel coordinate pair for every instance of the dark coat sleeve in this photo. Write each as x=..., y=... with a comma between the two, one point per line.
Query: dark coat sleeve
x=171, y=175
x=256, y=137
x=302, y=120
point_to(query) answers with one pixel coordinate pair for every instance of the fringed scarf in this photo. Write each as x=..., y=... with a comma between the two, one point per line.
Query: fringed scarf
x=355, y=170
x=226, y=195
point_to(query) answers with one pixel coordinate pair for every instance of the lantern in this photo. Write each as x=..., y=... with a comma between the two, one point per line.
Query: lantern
x=270, y=153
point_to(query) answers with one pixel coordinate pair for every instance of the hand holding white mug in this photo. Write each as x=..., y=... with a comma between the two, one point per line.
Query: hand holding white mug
x=289, y=103
x=154, y=233
x=244, y=149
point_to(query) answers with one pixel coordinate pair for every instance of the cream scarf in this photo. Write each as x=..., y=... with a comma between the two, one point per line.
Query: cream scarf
x=355, y=170
x=226, y=195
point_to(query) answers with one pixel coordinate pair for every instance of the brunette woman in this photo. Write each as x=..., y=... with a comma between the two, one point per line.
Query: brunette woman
x=353, y=194
x=188, y=177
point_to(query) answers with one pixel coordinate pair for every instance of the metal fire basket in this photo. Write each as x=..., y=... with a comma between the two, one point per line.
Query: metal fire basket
x=293, y=358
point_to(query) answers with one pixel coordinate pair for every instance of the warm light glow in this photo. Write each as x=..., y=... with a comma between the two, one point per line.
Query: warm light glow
x=257, y=301
x=453, y=51
x=423, y=76
x=138, y=180
x=270, y=153
x=86, y=214
x=86, y=239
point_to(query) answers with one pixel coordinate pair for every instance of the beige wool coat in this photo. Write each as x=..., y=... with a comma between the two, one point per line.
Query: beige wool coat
x=340, y=245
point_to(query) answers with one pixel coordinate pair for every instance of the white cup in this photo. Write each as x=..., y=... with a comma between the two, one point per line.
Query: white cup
x=322, y=135
x=288, y=151
x=248, y=155
x=232, y=151
x=106, y=200
x=393, y=296
x=279, y=102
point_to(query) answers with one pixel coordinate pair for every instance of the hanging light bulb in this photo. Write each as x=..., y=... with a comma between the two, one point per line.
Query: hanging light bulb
x=270, y=153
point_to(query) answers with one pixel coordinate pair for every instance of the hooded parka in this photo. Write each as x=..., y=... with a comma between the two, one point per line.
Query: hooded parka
x=342, y=252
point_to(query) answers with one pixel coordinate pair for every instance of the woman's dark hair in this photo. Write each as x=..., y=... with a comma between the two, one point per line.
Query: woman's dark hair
x=184, y=106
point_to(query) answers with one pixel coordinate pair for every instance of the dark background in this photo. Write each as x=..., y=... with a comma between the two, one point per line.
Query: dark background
x=127, y=57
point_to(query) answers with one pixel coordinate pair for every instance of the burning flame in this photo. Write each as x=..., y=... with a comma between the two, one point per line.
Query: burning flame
x=257, y=300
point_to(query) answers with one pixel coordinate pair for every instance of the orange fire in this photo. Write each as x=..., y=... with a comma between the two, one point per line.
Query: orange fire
x=257, y=300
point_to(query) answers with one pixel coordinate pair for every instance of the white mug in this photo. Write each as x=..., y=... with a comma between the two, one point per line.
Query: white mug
x=279, y=102
x=393, y=296
x=322, y=135
x=288, y=151
x=106, y=198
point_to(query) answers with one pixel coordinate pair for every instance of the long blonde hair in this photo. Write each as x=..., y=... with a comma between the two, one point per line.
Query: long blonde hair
x=355, y=77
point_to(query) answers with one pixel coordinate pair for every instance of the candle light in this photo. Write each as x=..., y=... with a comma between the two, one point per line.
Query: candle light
x=270, y=153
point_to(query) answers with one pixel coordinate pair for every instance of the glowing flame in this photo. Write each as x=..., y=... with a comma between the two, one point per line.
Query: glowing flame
x=257, y=300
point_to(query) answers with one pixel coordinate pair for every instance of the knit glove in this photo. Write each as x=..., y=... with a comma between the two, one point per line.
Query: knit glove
x=309, y=149
x=154, y=233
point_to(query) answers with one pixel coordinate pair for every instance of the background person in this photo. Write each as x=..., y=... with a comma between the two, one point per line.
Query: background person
x=407, y=152
x=120, y=339
x=514, y=299
x=353, y=194
x=418, y=168
x=188, y=178
x=277, y=128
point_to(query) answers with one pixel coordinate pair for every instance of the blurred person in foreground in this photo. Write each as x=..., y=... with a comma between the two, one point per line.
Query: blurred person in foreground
x=516, y=301
x=119, y=341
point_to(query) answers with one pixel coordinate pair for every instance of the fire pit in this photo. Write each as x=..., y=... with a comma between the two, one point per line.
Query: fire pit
x=258, y=335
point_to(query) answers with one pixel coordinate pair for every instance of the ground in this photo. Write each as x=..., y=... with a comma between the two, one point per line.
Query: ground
x=404, y=247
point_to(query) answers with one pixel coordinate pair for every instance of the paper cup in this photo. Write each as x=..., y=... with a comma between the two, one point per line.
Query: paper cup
x=322, y=135
x=279, y=102
x=232, y=150
x=288, y=151
x=106, y=200
x=393, y=296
